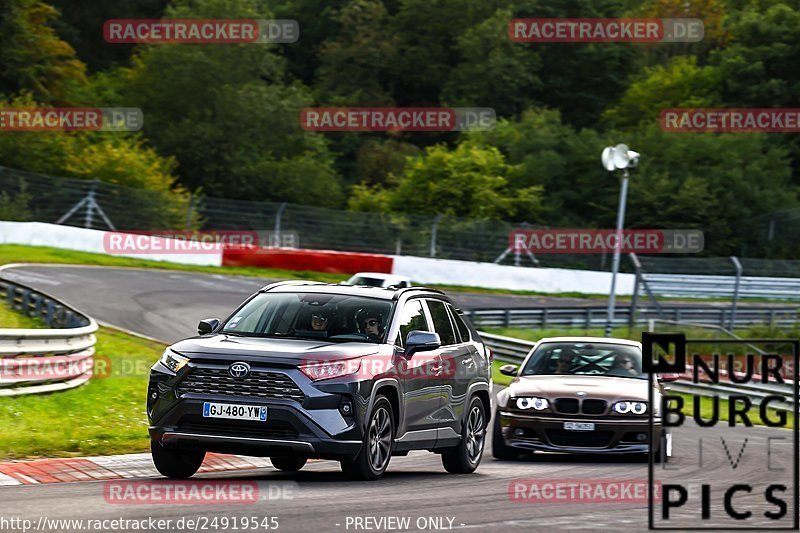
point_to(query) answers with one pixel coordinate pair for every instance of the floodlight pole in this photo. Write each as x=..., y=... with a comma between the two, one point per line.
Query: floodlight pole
x=623, y=199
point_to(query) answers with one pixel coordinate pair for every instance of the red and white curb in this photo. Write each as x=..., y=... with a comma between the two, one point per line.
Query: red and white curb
x=130, y=466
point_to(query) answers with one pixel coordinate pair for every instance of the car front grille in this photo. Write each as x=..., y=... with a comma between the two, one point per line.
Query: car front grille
x=593, y=407
x=258, y=384
x=264, y=430
x=572, y=406
x=567, y=405
x=579, y=439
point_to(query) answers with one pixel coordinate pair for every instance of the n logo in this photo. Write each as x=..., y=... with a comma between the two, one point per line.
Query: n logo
x=664, y=352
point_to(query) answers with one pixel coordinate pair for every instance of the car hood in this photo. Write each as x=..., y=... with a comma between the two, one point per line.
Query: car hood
x=286, y=351
x=604, y=387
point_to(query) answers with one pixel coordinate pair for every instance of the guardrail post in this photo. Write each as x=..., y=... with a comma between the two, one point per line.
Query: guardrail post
x=51, y=313
x=772, y=318
x=12, y=289
x=738, y=265
x=544, y=318
x=507, y=318
x=589, y=317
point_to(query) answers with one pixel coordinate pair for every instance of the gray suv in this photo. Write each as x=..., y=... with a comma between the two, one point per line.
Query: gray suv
x=310, y=370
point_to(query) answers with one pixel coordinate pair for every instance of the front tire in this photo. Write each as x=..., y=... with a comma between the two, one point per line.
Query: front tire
x=465, y=458
x=499, y=448
x=376, y=449
x=288, y=463
x=176, y=463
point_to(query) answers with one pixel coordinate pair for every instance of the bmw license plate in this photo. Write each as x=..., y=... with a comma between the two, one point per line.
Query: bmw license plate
x=579, y=426
x=234, y=411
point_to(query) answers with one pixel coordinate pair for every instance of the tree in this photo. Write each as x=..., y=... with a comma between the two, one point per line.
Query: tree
x=231, y=116
x=469, y=181
x=32, y=56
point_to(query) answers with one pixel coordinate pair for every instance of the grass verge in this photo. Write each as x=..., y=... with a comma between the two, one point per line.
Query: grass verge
x=105, y=416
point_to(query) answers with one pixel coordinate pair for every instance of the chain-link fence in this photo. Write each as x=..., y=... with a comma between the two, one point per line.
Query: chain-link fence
x=100, y=205
x=95, y=204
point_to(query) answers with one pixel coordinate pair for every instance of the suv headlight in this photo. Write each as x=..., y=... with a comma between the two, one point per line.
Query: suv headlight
x=534, y=402
x=173, y=361
x=330, y=369
x=636, y=408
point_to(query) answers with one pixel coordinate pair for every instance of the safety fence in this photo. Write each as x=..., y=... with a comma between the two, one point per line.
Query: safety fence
x=48, y=359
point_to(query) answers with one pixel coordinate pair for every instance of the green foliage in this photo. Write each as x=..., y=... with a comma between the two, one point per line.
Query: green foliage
x=32, y=56
x=15, y=207
x=469, y=181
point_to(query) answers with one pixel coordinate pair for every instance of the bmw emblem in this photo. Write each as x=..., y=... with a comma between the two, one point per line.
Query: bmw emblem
x=580, y=393
x=239, y=370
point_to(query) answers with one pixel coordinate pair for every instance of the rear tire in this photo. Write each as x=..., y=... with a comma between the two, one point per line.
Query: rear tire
x=288, y=463
x=500, y=450
x=465, y=458
x=176, y=463
x=376, y=449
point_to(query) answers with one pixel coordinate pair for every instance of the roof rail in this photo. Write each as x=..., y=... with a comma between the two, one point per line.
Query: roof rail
x=399, y=292
x=290, y=282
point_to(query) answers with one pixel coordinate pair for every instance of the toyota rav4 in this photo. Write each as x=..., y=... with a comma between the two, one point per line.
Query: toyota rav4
x=310, y=370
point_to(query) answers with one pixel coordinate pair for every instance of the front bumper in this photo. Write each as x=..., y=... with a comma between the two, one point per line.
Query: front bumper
x=314, y=427
x=547, y=433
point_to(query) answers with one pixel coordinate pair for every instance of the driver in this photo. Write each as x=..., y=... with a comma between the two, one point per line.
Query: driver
x=564, y=361
x=623, y=366
x=369, y=323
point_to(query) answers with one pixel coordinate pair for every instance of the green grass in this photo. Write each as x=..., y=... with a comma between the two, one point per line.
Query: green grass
x=105, y=416
x=13, y=320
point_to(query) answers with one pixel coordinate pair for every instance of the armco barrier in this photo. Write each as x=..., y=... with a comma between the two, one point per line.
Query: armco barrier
x=44, y=360
x=311, y=260
x=595, y=317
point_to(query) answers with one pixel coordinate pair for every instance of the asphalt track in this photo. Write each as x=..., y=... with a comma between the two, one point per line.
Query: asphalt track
x=168, y=305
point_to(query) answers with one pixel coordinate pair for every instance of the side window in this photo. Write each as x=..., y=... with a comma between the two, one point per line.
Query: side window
x=413, y=318
x=441, y=322
x=462, y=328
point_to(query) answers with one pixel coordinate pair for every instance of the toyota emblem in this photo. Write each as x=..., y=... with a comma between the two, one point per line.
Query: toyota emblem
x=239, y=370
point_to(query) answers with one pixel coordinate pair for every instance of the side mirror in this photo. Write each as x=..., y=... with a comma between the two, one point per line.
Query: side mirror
x=207, y=325
x=509, y=370
x=421, y=341
x=669, y=377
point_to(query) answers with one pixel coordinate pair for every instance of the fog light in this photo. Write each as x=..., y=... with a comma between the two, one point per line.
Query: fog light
x=346, y=408
x=641, y=437
x=519, y=432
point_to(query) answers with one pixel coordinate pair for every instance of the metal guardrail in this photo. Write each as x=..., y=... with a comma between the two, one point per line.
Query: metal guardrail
x=511, y=350
x=595, y=317
x=49, y=359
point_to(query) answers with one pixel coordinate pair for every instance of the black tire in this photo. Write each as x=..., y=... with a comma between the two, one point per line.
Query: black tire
x=376, y=449
x=176, y=463
x=465, y=458
x=288, y=463
x=500, y=450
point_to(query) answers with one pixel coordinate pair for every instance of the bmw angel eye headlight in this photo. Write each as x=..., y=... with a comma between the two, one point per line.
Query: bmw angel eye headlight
x=636, y=408
x=536, y=403
x=173, y=361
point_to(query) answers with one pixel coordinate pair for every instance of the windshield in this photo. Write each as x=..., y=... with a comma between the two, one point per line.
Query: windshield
x=590, y=359
x=332, y=317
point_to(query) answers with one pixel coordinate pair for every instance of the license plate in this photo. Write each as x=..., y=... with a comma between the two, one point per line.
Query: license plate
x=579, y=426
x=234, y=411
